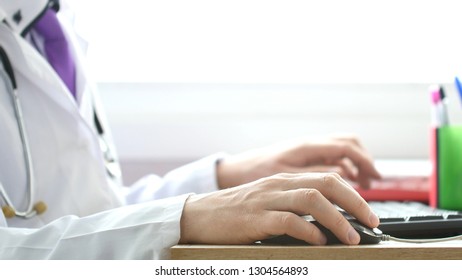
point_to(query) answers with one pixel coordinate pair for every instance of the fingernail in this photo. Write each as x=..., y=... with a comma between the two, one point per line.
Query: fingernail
x=353, y=236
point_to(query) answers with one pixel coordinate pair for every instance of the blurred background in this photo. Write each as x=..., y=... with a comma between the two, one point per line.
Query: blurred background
x=183, y=79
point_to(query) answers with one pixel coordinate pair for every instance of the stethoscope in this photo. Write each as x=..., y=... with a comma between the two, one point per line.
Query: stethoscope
x=37, y=208
x=9, y=210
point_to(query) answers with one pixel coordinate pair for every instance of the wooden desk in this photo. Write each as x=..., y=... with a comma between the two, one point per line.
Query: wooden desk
x=389, y=250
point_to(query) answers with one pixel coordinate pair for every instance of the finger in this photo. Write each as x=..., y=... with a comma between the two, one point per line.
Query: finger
x=353, y=174
x=344, y=167
x=358, y=157
x=346, y=197
x=349, y=171
x=329, y=216
x=315, y=169
x=333, y=188
x=311, y=201
x=351, y=139
x=364, y=181
x=330, y=153
x=316, y=180
x=280, y=223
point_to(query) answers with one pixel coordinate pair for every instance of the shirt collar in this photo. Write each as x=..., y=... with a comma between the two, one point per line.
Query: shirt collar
x=20, y=14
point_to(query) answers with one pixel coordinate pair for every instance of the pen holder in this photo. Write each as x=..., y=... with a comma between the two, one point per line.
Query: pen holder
x=446, y=158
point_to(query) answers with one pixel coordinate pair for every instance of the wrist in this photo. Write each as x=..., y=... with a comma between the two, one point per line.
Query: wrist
x=194, y=220
x=185, y=223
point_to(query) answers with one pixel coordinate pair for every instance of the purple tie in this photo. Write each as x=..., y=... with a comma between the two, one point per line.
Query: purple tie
x=56, y=48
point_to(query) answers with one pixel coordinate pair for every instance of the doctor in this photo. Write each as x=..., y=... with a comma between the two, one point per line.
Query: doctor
x=60, y=184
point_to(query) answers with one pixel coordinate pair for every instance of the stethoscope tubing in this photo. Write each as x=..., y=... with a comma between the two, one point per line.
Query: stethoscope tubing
x=12, y=89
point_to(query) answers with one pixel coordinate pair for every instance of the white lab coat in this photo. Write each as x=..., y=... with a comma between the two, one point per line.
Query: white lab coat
x=84, y=219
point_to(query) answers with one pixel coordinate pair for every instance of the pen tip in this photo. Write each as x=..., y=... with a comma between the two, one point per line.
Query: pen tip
x=442, y=93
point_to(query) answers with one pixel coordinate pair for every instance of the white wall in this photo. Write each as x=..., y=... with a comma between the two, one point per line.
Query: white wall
x=159, y=126
x=267, y=41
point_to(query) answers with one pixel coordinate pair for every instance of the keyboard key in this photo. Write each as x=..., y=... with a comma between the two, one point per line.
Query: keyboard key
x=426, y=218
x=390, y=220
x=416, y=220
x=454, y=216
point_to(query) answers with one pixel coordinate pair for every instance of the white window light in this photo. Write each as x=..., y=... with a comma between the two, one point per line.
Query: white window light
x=271, y=41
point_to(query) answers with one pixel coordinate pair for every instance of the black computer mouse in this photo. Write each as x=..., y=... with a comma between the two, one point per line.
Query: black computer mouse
x=368, y=235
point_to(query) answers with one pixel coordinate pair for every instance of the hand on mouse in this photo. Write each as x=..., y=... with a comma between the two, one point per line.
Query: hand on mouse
x=272, y=206
x=343, y=155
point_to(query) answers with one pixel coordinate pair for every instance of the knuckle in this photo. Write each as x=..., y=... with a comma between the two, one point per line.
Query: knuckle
x=313, y=231
x=362, y=205
x=339, y=221
x=283, y=176
x=344, y=148
x=286, y=220
x=277, y=180
x=330, y=180
x=311, y=196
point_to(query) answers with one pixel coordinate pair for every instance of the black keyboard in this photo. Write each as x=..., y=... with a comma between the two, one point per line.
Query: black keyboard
x=416, y=220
